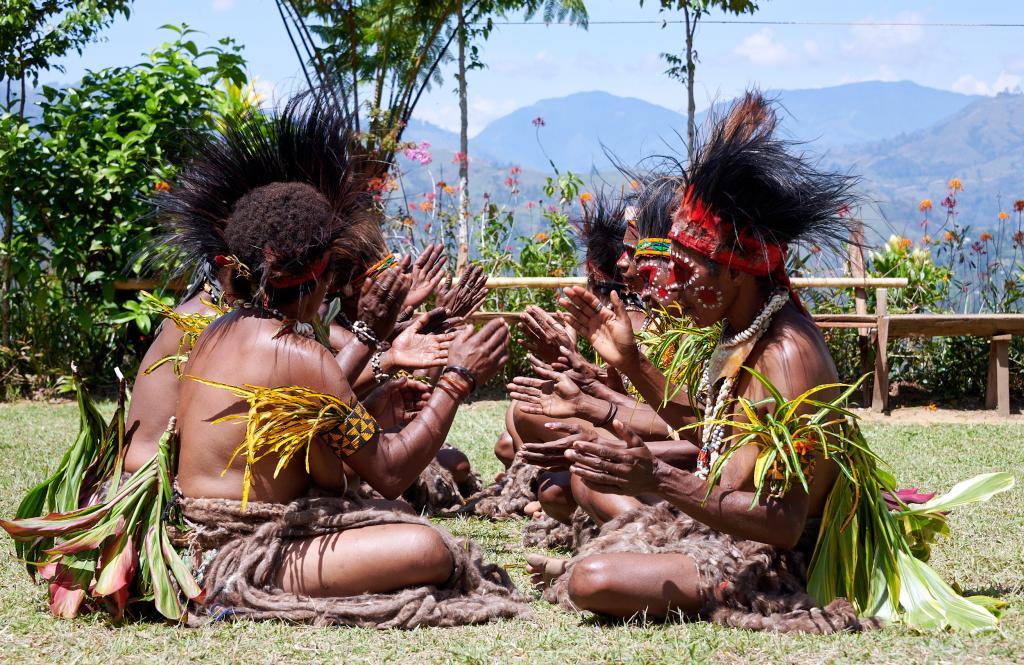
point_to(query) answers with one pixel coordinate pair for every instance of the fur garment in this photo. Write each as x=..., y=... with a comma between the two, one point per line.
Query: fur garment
x=744, y=584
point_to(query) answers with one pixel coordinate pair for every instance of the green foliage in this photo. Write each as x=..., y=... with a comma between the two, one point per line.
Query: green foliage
x=81, y=176
x=928, y=288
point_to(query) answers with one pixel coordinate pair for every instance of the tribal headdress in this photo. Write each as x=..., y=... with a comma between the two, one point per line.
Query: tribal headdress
x=655, y=204
x=748, y=195
x=600, y=230
x=310, y=142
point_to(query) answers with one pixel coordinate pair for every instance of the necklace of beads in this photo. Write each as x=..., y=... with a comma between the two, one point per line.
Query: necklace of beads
x=715, y=404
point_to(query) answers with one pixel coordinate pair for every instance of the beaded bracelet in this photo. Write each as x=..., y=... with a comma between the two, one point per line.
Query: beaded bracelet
x=380, y=375
x=365, y=335
x=464, y=373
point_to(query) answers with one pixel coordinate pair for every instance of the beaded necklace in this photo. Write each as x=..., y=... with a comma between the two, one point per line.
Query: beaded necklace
x=726, y=360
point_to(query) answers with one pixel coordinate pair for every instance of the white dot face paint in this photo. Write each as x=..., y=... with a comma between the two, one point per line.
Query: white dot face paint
x=708, y=297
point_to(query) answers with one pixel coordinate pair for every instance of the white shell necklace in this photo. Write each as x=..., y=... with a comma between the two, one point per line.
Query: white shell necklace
x=714, y=405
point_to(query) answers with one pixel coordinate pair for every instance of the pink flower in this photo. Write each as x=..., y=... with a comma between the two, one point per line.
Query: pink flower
x=419, y=153
x=460, y=158
x=430, y=196
x=530, y=205
x=538, y=122
x=515, y=170
x=510, y=181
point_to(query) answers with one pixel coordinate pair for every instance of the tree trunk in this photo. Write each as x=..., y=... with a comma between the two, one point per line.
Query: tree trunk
x=691, y=107
x=462, y=234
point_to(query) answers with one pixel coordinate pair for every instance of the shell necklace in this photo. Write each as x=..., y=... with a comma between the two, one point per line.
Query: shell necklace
x=724, y=365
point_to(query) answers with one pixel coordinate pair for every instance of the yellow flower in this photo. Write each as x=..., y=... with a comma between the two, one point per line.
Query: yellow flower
x=1003, y=215
x=933, y=407
x=956, y=185
x=407, y=221
x=585, y=197
x=557, y=272
x=541, y=237
x=925, y=205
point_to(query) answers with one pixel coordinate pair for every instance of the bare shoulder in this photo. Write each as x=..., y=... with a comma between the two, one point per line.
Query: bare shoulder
x=793, y=355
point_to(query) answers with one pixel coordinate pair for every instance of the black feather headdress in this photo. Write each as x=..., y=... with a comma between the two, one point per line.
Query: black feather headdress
x=749, y=194
x=309, y=142
x=600, y=230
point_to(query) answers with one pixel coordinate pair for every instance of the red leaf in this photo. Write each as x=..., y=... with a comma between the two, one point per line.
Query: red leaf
x=67, y=591
x=54, y=524
x=118, y=562
x=89, y=540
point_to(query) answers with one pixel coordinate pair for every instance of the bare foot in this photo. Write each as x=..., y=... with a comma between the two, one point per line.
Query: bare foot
x=544, y=569
x=532, y=508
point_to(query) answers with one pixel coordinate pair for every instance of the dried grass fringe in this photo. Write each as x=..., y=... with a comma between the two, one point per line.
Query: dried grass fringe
x=745, y=584
x=240, y=578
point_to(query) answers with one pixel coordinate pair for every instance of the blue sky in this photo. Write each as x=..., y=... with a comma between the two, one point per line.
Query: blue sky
x=527, y=63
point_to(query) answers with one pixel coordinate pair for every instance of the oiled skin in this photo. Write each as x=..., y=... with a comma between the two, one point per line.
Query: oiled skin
x=793, y=356
x=155, y=395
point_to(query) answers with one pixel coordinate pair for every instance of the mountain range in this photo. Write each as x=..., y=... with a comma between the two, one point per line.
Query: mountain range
x=904, y=140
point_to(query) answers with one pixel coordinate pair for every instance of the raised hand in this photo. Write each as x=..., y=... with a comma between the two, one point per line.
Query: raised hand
x=427, y=273
x=624, y=467
x=381, y=299
x=609, y=331
x=591, y=379
x=543, y=334
x=467, y=295
x=396, y=402
x=415, y=349
x=483, y=353
x=553, y=395
x=551, y=455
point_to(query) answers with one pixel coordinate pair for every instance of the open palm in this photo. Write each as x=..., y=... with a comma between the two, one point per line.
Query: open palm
x=609, y=331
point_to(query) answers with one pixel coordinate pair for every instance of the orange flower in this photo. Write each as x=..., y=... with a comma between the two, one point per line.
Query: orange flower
x=1003, y=215
x=441, y=184
x=541, y=237
x=956, y=185
x=634, y=184
x=448, y=189
x=927, y=239
x=803, y=446
x=948, y=236
x=905, y=243
x=557, y=272
x=426, y=206
x=925, y=205
x=985, y=237
x=407, y=221
x=162, y=186
x=585, y=197
x=933, y=407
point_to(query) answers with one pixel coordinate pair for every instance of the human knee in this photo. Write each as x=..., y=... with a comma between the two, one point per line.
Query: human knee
x=456, y=462
x=432, y=559
x=591, y=582
x=552, y=490
x=505, y=449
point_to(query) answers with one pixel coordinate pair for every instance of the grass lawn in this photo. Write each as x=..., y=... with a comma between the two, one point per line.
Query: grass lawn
x=986, y=554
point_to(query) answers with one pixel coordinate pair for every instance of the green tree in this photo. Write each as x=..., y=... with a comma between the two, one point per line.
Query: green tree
x=681, y=66
x=33, y=34
x=82, y=174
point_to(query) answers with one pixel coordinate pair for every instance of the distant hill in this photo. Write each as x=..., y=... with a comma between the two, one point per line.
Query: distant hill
x=982, y=145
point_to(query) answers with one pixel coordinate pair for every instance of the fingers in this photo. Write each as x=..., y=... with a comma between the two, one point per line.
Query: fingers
x=614, y=469
x=629, y=436
x=567, y=428
x=601, y=482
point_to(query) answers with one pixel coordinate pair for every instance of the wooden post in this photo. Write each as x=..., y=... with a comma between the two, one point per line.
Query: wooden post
x=860, y=302
x=997, y=390
x=880, y=395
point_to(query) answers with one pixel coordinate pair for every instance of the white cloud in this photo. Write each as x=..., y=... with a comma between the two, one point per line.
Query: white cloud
x=762, y=49
x=969, y=84
x=888, y=44
x=223, y=5
x=482, y=110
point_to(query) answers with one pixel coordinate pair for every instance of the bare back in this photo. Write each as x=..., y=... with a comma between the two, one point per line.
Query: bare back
x=155, y=395
x=239, y=349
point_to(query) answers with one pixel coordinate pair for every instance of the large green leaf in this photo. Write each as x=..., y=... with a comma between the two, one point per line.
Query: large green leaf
x=973, y=490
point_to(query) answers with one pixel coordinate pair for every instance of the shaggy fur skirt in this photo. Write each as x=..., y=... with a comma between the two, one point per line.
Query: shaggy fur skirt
x=744, y=584
x=244, y=550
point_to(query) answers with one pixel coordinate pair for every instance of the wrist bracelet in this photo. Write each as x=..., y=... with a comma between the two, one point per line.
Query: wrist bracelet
x=365, y=335
x=450, y=388
x=380, y=375
x=613, y=409
x=464, y=373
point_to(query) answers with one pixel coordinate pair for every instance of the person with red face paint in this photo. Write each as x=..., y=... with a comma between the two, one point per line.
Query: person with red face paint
x=685, y=547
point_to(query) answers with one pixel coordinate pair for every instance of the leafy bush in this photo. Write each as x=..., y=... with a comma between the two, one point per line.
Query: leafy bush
x=82, y=173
